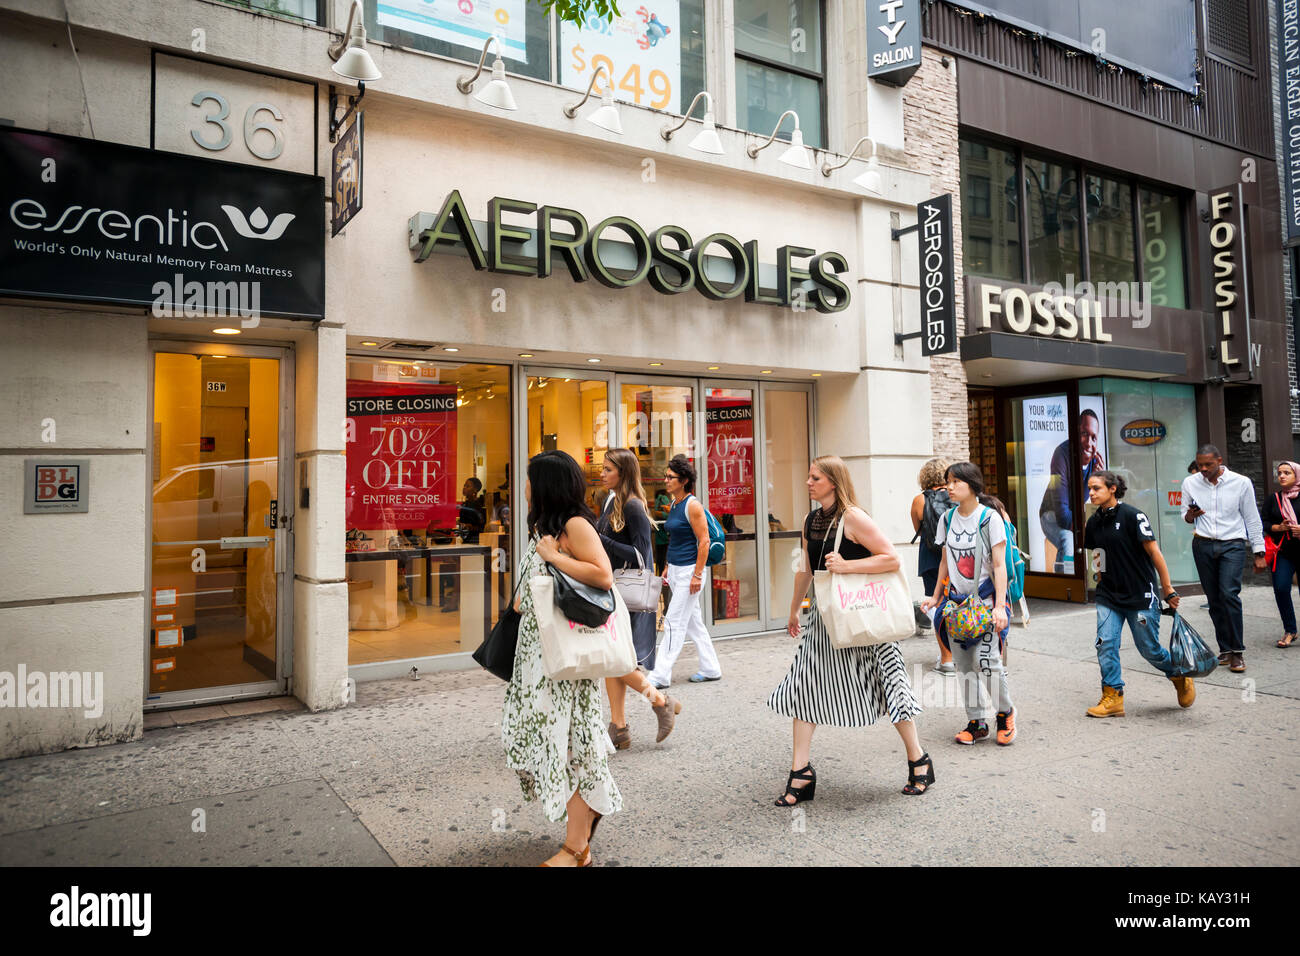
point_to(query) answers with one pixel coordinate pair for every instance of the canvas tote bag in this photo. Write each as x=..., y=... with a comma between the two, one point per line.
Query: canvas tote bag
x=864, y=609
x=572, y=651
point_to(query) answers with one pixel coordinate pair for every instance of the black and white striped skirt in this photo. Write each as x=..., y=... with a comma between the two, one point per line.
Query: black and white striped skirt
x=844, y=686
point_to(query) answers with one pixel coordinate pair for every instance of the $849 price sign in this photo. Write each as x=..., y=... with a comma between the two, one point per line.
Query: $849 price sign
x=643, y=86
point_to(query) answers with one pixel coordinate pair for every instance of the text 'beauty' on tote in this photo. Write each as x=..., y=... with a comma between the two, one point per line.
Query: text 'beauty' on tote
x=575, y=651
x=864, y=609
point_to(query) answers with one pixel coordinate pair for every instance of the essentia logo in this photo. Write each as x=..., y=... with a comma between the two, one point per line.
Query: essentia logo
x=875, y=594
x=170, y=230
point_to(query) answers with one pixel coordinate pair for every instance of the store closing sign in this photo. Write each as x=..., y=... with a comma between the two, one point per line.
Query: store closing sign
x=729, y=436
x=401, y=455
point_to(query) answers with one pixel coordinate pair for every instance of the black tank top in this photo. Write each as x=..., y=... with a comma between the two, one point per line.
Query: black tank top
x=819, y=530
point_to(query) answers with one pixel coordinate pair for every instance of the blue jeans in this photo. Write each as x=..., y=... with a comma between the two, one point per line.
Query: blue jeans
x=1220, y=564
x=1144, y=625
x=1283, y=572
x=1060, y=538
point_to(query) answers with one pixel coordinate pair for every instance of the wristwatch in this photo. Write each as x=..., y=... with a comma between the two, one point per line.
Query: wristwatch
x=1172, y=593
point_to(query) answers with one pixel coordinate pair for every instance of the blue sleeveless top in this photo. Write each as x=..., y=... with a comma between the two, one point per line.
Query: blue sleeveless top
x=682, y=546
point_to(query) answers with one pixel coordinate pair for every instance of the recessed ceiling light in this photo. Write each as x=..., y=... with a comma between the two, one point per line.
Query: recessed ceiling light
x=766, y=371
x=655, y=364
x=450, y=349
x=525, y=354
x=714, y=368
x=226, y=331
x=594, y=361
x=216, y=356
x=370, y=344
x=816, y=374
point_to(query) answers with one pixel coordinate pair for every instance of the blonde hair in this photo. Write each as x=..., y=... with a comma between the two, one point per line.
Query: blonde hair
x=932, y=473
x=629, y=483
x=833, y=467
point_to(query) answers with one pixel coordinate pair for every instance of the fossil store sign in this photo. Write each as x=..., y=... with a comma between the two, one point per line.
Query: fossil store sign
x=1043, y=312
x=618, y=253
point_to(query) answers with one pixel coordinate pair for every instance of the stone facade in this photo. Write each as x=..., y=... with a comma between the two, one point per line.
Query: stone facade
x=930, y=130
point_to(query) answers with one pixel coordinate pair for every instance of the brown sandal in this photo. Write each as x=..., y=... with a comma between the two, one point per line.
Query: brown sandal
x=1287, y=640
x=583, y=858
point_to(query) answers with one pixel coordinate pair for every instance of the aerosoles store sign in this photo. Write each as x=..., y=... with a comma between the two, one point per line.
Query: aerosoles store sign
x=90, y=221
x=667, y=258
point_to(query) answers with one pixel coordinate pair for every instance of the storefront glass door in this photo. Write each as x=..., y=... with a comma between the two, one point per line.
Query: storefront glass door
x=219, y=525
x=571, y=414
x=730, y=480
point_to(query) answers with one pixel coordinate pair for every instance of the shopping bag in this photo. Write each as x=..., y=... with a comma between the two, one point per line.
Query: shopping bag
x=1190, y=655
x=575, y=651
x=864, y=609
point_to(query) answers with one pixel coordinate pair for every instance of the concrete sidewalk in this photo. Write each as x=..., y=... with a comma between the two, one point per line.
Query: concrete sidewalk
x=413, y=774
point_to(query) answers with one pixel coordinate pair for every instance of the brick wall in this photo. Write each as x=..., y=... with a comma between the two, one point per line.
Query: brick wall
x=930, y=134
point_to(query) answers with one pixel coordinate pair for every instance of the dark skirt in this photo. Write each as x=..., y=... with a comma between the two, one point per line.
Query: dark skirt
x=643, y=638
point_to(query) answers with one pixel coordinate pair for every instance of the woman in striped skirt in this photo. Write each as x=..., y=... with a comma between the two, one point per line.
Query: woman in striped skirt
x=849, y=686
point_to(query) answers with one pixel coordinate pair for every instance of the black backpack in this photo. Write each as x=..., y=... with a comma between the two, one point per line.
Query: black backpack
x=937, y=504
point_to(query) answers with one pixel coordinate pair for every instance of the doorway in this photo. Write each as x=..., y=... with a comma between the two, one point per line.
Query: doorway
x=749, y=442
x=220, y=517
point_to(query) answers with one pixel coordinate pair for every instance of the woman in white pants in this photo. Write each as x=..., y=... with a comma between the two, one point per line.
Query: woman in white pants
x=688, y=549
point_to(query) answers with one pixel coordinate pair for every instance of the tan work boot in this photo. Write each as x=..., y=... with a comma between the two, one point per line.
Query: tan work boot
x=1186, y=690
x=1110, y=705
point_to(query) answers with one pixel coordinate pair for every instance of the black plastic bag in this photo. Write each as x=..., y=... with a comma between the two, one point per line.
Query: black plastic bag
x=1192, y=657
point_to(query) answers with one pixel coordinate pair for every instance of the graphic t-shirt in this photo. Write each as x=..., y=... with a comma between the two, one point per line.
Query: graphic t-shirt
x=1128, y=578
x=962, y=538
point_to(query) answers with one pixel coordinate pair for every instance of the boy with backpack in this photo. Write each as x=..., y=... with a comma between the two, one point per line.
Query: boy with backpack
x=928, y=509
x=972, y=613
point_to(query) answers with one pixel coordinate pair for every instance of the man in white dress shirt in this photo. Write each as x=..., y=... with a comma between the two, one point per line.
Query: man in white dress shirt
x=1221, y=504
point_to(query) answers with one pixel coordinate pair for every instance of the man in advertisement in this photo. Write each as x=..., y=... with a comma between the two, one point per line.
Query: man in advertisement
x=1055, y=513
x=1221, y=505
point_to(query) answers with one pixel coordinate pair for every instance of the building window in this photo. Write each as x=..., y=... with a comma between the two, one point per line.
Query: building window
x=427, y=506
x=1052, y=220
x=1162, y=248
x=990, y=234
x=309, y=11
x=780, y=66
x=1111, y=254
x=447, y=30
x=1227, y=30
x=654, y=56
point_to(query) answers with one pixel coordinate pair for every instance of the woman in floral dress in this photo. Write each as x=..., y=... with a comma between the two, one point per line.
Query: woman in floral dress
x=553, y=731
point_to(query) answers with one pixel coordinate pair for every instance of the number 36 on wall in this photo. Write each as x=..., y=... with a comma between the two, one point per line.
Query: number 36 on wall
x=262, y=138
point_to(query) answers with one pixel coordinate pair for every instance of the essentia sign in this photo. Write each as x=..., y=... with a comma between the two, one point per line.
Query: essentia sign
x=70, y=229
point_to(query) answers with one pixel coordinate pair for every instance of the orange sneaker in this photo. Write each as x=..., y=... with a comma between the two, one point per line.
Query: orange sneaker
x=975, y=730
x=1007, y=728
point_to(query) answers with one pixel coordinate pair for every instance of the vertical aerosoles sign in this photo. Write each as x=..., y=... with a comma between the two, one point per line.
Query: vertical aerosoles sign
x=938, y=276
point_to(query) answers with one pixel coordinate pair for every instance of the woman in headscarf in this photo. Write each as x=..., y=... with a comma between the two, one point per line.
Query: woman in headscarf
x=1283, y=529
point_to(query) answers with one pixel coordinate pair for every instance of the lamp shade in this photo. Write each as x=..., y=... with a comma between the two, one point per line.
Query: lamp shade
x=355, y=63
x=606, y=117
x=870, y=179
x=797, y=154
x=497, y=92
x=706, y=140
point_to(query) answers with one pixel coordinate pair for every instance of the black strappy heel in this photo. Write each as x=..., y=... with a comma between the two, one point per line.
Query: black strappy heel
x=912, y=790
x=800, y=794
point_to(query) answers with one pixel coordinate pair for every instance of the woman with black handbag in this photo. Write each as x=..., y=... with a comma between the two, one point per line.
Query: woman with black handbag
x=625, y=531
x=551, y=729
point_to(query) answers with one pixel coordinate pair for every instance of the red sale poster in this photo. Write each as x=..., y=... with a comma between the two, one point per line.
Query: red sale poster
x=729, y=437
x=401, y=455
